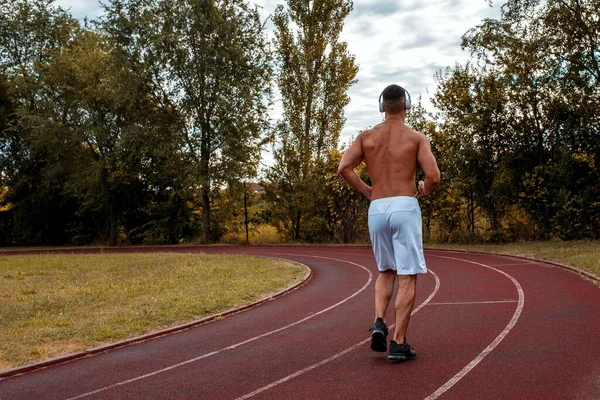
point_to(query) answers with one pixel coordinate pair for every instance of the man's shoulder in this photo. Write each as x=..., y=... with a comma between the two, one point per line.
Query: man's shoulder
x=371, y=129
x=382, y=126
x=419, y=135
x=366, y=133
x=411, y=130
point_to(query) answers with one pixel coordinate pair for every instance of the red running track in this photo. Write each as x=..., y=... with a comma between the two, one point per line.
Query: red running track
x=484, y=327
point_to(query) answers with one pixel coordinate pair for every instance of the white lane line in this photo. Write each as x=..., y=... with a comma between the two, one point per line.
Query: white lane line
x=461, y=374
x=192, y=360
x=370, y=253
x=512, y=264
x=473, y=302
x=338, y=355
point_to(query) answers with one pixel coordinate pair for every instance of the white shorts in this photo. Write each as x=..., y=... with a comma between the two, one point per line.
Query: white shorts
x=396, y=232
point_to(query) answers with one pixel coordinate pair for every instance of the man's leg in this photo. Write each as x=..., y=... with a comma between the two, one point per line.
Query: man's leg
x=405, y=301
x=384, y=288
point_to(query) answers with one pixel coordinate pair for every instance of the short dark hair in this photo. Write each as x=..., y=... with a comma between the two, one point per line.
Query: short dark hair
x=394, y=99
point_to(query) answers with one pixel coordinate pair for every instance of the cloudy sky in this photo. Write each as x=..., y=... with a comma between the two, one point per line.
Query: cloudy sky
x=394, y=41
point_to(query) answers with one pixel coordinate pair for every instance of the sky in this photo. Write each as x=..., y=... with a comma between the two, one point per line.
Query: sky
x=394, y=41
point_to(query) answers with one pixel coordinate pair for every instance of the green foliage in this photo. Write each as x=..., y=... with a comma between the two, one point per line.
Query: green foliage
x=141, y=127
x=209, y=61
x=314, y=75
x=560, y=199
x=522, y=125
x=115, y=130
x=36, y=211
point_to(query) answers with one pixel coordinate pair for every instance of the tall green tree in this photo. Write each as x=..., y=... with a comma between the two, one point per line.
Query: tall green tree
x=210, y=62
x=315, y=71
x=97, y=128
x=472, y=106
x=6, y=123
x=29, y=31
x=548, y=53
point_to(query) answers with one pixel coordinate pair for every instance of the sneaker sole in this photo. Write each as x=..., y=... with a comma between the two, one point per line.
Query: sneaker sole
x=378, y=342
x=398, y=358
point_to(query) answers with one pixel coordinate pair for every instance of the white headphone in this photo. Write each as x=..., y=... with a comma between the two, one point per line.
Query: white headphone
x=407, y=102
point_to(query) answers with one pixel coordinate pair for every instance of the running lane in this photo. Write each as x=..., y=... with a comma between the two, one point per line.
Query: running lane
x=484, y=327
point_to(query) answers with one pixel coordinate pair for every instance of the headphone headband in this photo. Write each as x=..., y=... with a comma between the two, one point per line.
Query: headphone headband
x=407, y=100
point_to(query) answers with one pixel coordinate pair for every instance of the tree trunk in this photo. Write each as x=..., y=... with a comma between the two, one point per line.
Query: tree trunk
x=205, y=179
x=297, y=233
x=471, y=210
x=206, y=214
x=246, y=213
x=112, y=219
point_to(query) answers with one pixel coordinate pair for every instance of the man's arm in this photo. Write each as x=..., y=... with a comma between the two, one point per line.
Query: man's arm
x=429, y=167
x=352, y=157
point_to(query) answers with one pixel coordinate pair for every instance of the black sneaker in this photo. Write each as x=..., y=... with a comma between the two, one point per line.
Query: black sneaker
x=379, y=333
x=401, y=352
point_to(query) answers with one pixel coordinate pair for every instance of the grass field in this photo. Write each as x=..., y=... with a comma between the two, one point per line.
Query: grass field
x=580, y=254
x=52, y=305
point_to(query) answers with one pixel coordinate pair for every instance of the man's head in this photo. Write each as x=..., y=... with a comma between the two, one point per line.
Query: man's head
x=394, y=99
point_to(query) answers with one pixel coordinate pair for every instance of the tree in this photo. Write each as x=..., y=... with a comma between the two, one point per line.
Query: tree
x=6, y=123
x=29, y=30
x=7, y=120
x=475, y=123
x=210, y=63
x=547, y=54
x=314, y=75
x=96, y=127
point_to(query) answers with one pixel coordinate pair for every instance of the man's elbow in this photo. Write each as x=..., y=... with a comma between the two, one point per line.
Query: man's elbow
x=344, y=173
x=435, y=178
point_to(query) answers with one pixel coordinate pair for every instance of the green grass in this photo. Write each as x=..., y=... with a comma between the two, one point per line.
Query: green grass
x=51, y=305
x=584, y=255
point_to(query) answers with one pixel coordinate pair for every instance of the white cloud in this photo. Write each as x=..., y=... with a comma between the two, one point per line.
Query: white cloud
x=81, y=8
x=394, y=41
x=406, y=45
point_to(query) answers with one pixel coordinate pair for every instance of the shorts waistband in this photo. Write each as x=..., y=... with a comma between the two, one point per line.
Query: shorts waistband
x=395, y=198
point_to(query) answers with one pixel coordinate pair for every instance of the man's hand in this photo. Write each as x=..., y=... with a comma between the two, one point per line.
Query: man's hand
x=429, y=166
x=421, y=187
x=368, y=192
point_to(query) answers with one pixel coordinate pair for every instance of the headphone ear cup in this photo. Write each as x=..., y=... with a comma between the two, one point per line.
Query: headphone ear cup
x=407, y=103
x=380, y=106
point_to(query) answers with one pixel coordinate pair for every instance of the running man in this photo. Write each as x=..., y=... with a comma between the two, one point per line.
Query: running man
x=391, y=151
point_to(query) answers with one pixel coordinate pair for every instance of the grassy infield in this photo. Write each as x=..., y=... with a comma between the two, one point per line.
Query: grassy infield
x=52, y=305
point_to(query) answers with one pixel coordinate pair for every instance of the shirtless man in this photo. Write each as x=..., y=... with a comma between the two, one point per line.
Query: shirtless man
x=391, y=151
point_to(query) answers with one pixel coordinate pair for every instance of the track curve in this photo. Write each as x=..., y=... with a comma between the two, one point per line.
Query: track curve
x=475, y=334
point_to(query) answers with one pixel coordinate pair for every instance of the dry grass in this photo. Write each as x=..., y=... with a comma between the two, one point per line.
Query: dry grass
x=260, y=234
x=51, y=305
x=580, y=254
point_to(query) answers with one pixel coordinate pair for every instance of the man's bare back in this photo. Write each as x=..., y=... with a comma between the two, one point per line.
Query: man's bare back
x=391, y=151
